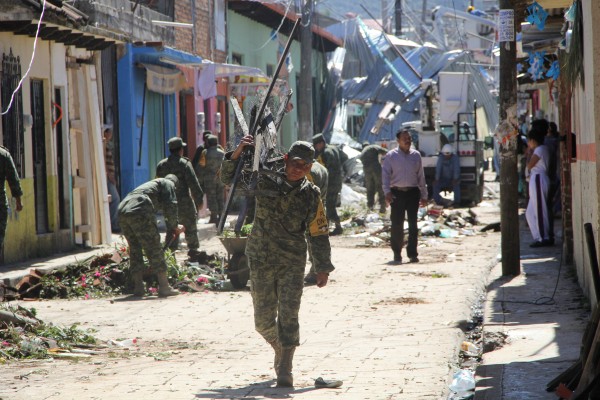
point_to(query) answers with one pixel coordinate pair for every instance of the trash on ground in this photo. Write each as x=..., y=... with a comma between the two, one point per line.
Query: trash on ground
x=24, y=336
x=470, y=349
x=321, y=383
x=463, y=385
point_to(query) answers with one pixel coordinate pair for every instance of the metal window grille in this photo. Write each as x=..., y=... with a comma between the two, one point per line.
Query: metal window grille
x=12, y=122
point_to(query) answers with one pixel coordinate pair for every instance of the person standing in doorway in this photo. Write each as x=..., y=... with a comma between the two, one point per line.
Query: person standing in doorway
x=8, y=173
x=537, y=212
x=111, y=180
x=189, y=194
x=405, y=189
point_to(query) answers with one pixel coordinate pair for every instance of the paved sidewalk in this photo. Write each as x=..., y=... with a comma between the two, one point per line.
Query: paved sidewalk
x=543, y=329
x=387, y=331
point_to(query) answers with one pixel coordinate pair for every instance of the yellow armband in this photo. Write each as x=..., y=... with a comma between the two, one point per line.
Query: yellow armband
x=319, y=225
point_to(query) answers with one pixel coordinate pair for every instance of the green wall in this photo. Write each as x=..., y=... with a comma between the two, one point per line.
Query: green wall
x=252, y=40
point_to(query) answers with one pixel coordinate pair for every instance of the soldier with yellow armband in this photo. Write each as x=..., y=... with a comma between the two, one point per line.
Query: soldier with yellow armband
x=288, y=211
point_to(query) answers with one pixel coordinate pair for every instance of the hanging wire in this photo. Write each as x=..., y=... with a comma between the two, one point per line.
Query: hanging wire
x=37, y=32
x=274, y=35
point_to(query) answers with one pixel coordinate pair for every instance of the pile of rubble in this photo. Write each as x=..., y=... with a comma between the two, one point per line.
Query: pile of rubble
x=107, y=275
x=23, y=335
x=432, y=221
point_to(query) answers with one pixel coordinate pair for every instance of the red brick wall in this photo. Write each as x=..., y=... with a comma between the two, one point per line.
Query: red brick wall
x=203, y=29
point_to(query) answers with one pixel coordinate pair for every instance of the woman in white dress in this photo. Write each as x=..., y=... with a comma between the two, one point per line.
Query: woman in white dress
x=539, y=183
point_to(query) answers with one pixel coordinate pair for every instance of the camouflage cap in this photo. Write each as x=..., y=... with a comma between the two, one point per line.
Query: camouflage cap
x=303, y=151
x=318, y=138
x=176, y=143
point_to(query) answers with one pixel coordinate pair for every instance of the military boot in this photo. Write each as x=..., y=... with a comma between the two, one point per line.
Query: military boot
x=284, y=369
x=138, y=284
x=277, y=348
x=164, y=289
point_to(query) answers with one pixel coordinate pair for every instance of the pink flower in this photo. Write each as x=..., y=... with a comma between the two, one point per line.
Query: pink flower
x=102, y=267
x=83, y=278
x=202, y=279
x=153, y=290
x=84, y=284
x=5, y=343
x=97, y=274
x=87, y=296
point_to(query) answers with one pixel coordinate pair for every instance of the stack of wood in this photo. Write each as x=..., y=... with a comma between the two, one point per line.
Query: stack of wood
x=581, y=381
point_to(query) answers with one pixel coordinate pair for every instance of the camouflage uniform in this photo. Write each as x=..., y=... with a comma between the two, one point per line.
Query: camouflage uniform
x=210, y=176
x=372, y=172
x=137, y=218
x=276, y=250
x=333, y=159
x=319, y=177
x=182, y=168
x=8, y=173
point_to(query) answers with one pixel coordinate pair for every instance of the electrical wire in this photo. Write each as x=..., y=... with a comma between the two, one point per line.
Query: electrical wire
x=37, y=33
x=544, y=300
x=274, y=34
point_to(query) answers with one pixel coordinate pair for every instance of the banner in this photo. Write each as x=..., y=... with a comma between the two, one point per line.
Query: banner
x=164, y=80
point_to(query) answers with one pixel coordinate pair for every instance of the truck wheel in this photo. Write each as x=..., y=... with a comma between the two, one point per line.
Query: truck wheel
x=238, y=266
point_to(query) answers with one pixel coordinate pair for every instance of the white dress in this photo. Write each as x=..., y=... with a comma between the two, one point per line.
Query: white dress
x=537, y=208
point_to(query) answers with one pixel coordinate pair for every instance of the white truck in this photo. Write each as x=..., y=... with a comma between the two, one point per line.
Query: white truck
x=446, y=117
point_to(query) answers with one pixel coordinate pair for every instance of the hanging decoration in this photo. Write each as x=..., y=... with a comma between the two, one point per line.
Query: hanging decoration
x=520, y=68
x=536, y=15
x=554, y=70
x=536, y=65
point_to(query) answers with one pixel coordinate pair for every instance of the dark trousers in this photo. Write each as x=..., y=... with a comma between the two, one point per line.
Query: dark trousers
x=405, y=202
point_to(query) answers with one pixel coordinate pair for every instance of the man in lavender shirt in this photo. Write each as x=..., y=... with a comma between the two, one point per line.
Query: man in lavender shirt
x=405, y=189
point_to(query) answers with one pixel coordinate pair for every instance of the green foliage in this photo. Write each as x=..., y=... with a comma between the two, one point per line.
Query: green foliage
x=347, y=213
x=34, y=341
x=92, y=278
x=245, y=231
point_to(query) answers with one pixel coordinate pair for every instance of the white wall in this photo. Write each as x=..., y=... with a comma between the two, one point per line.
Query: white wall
x=584, y=172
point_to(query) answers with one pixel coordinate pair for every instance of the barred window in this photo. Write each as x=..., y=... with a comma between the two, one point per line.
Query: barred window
x=12, y=122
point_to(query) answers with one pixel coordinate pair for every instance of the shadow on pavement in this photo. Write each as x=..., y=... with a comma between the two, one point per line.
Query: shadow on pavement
x=254, y=391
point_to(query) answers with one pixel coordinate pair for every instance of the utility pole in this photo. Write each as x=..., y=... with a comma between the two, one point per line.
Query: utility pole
x=423, y=21
x=305, y=106
x=398, y=17
x=384, y=16
x=509, y=179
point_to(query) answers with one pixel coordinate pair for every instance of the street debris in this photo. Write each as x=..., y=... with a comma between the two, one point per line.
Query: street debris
x=433, y=221
x=463, y=385
x=401, y=300
x=107, y=275
x=24, y=336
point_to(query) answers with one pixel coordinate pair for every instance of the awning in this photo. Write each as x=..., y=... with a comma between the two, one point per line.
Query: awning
x=209, y=72
x=229, y=70
x=164, y=56
x=164, y=80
